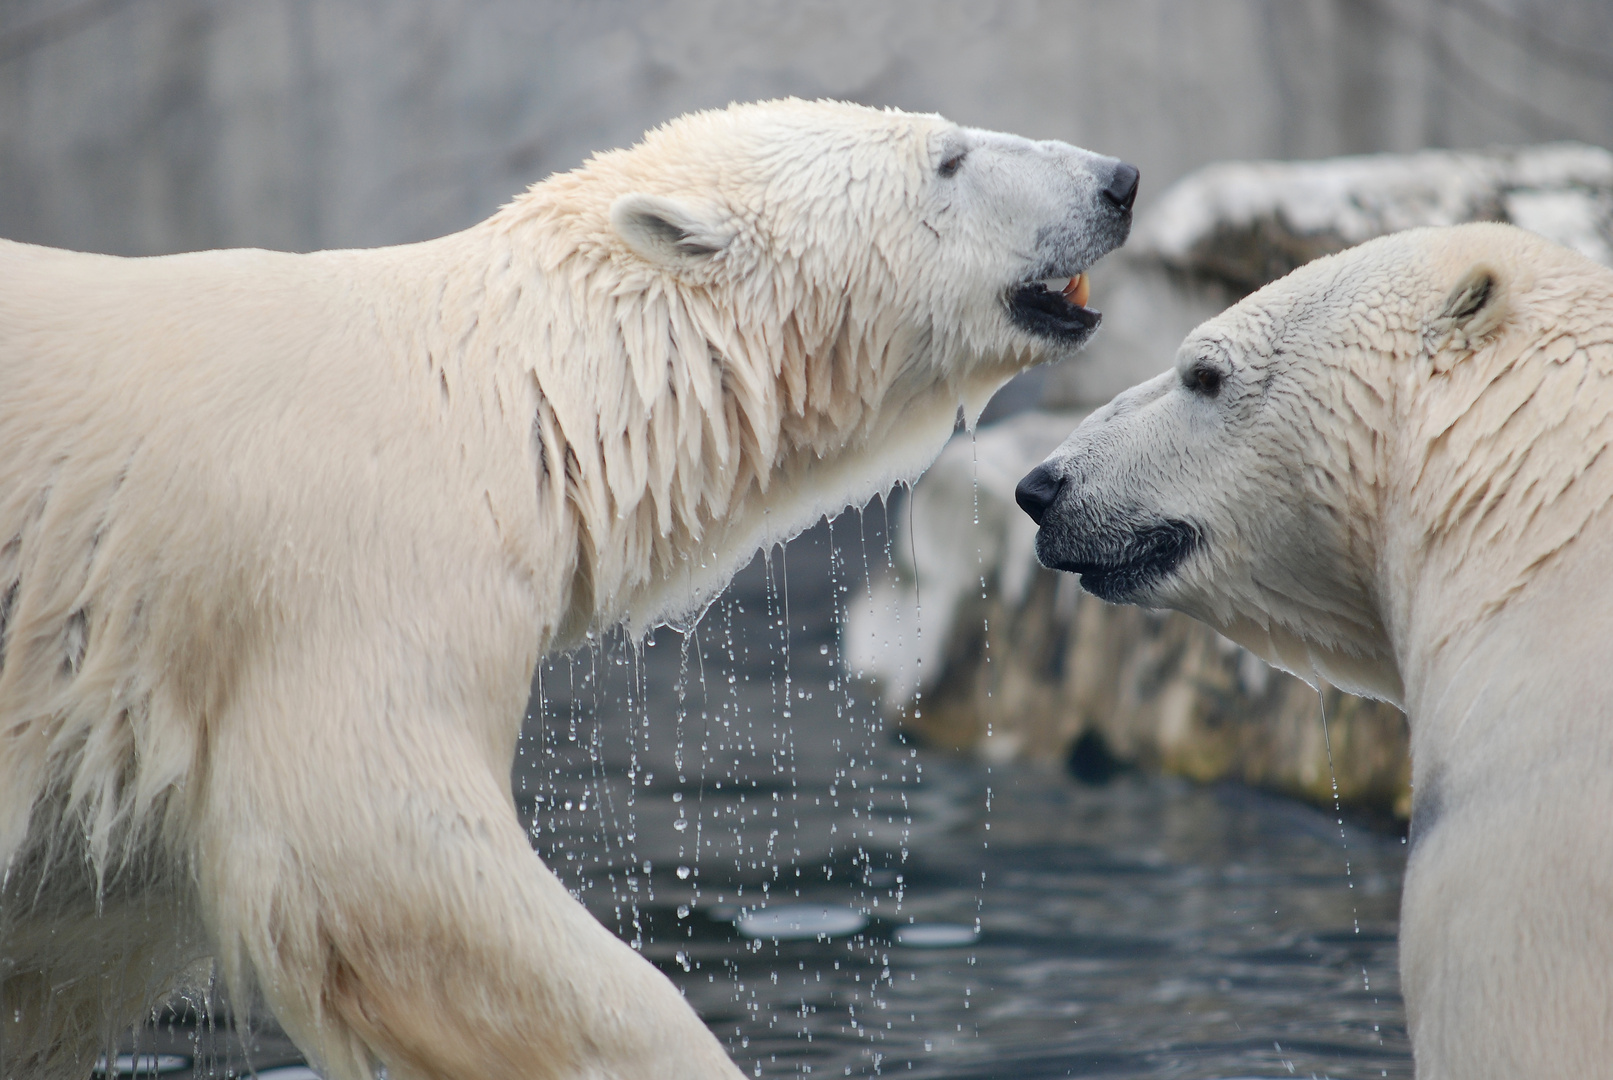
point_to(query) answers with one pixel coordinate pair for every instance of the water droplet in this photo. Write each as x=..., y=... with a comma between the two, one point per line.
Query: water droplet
x=683, y=873
x=680, y=824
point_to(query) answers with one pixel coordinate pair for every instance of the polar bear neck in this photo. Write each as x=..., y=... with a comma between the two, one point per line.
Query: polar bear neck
x=1503, y=448
x=670, y=441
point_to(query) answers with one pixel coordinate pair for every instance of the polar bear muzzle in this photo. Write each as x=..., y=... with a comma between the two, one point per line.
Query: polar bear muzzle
x=1117, y=564
x=1051, y=303
x=1119, y=553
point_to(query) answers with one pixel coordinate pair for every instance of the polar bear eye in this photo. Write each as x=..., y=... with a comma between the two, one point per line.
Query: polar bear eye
x=1204, y=379
x=951, y=164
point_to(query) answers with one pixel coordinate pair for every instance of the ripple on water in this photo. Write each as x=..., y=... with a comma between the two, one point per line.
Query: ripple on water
x=141, y=1065
x=800, y=922
x=935, y=935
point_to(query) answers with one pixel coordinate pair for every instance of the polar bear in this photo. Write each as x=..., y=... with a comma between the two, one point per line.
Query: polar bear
x=283, y=537
x=1391, y=470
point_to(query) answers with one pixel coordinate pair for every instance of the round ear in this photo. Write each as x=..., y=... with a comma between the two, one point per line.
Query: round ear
x=670, y=232
x=1474, y=310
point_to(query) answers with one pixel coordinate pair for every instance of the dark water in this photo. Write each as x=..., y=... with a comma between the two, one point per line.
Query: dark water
x=1143, y=928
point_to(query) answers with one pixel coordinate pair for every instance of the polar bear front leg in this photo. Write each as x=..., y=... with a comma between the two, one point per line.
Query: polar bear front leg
x=371, y=878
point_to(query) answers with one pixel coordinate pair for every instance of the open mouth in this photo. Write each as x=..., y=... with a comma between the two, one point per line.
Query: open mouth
x=1054, y=307
x=1149, y=556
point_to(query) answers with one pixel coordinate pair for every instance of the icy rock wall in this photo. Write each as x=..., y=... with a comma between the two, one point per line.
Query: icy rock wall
x=978, y=648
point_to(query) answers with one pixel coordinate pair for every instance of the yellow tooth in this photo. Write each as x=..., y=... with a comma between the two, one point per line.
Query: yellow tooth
x=1078, y=290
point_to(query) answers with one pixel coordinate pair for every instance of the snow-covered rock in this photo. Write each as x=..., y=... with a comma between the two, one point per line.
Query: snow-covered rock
x=1252, y=222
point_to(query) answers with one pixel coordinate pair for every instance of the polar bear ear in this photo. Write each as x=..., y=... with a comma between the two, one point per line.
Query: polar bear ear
x=1474, y=308
x=669, y=232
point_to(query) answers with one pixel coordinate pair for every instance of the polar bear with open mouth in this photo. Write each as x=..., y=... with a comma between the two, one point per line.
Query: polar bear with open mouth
x=1392, y=470
x=283, y=537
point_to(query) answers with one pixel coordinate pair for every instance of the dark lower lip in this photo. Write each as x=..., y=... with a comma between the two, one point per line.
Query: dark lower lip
x=1038, y=311
x=1115, y=586
x=1150, y=556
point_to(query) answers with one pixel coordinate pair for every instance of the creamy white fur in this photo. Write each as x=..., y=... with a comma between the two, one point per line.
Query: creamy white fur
x=282, y=538
x=1403, y=486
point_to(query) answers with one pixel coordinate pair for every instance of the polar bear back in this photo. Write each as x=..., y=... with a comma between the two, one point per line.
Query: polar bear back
x=144, y=556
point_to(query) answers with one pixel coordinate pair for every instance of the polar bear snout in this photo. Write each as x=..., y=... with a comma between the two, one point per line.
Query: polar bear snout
x=1120, y=552
x=1061, y=209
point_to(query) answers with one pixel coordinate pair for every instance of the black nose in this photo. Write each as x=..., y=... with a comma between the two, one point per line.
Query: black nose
x=1037, y=492
x=1122, y=189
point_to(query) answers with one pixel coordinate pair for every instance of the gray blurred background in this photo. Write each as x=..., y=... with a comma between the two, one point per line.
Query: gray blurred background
x=149, y=126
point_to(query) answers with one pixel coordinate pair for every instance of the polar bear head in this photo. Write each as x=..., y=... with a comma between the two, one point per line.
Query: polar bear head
x=969, y=237
x=1331, y=438
x=778, y=310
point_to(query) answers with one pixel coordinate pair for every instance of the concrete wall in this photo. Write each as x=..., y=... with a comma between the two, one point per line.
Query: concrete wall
x=147, y=126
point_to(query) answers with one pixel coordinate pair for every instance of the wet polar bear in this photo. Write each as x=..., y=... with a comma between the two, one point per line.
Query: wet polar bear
x=282, y=538
x=1390, y=470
